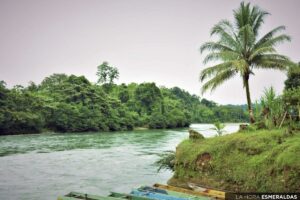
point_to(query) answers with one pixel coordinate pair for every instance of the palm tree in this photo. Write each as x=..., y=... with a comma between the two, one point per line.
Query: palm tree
x=239, y=50
x=272, y=107
x=219, y=128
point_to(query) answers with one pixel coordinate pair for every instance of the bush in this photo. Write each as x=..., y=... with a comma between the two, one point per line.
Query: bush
x=157, y=121
x=18, y=122
x=166, y=161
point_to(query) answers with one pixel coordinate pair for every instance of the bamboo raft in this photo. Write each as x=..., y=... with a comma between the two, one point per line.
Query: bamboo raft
x=196, y=191
x=155, y=192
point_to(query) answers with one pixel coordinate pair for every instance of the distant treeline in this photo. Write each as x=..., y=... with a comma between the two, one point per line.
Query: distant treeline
x=72, y=103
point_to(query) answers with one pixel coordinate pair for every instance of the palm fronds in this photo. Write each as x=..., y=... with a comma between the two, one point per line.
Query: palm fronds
x=166, y=161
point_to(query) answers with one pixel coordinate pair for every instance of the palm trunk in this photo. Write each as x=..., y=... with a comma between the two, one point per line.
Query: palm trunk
x=246, y=84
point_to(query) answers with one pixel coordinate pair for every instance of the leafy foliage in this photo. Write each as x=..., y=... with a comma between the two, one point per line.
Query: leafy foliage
x=219, y=128
x=107, y=74
x=291, y=94
x=293, y=80
x=72, y=103
x=166, y=161
x=272, y=108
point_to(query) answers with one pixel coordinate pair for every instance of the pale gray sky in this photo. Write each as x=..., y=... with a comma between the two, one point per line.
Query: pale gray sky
x=147, y=40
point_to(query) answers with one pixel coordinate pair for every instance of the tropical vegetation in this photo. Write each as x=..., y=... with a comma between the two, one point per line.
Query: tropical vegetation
x=248, y=161
x=240, y=49
x=69, y=103
x=275, y=111
x=219, y=128
x=261, y=156
x=291, y=95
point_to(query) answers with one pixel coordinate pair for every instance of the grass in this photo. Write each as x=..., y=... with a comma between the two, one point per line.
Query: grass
x=260, y=161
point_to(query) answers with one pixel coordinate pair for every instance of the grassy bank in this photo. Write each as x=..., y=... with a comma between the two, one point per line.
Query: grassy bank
x=261, y=161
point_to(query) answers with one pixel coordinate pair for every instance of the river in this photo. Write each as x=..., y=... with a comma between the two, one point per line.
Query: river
x=43, y=166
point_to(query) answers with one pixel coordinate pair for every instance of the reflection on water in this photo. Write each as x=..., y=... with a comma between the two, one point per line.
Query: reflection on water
x=47, y=165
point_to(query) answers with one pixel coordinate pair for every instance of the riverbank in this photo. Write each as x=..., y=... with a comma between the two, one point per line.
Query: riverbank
x=207, y=127
x=48, y=131
x=260, y=161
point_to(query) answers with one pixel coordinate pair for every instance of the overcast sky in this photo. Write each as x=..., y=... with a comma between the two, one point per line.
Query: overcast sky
x=147, y=40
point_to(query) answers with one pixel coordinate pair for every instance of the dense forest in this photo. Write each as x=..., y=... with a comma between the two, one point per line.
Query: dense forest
x=69, y=103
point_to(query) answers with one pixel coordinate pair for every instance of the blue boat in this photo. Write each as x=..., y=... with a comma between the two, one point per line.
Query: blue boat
x=155, y=196
x=152, y=189
x=173, y=193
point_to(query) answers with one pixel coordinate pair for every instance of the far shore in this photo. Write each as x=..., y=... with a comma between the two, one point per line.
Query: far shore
x=47, y=131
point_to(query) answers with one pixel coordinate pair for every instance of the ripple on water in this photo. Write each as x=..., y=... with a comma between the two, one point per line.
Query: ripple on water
x=47, y=165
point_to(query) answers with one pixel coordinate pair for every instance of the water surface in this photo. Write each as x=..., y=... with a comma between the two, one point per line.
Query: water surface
x=47, y=165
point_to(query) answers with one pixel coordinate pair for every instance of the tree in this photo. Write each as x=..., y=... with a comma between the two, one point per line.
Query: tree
x=107, y=74
x=240, y=50
x=291, y=95
x=292, y=98
x=147, y=95
x=3, y=92
x=208, y=103
x=69, y=103
x=53, y=81
x=123, y=93
x=293, y=77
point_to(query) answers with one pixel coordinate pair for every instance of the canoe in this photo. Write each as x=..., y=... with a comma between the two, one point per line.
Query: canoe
x=157, y=192
x=66, y=198
x=78, y=195
x=207, y=192
x=174, y=193
x=153, y=189
x=127, y=196
x=156, y=196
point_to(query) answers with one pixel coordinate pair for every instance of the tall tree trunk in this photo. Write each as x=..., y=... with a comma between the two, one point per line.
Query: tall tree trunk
x=246, y=84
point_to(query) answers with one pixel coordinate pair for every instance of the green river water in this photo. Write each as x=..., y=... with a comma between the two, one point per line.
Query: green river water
x=43, y=166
